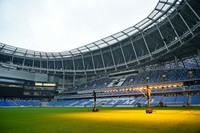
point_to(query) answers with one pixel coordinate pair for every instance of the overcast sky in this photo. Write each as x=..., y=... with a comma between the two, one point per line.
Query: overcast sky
x=61, y=25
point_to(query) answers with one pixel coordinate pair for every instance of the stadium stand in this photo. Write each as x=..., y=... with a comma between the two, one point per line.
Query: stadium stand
x=162, y=51
x=195, y=100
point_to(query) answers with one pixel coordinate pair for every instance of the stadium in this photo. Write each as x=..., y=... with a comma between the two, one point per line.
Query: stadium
x=54, y=91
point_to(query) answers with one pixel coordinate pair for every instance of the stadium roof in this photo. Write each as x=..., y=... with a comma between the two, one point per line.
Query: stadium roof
x=157, y=15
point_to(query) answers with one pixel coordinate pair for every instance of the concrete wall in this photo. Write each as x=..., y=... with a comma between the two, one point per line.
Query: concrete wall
x=11, y=73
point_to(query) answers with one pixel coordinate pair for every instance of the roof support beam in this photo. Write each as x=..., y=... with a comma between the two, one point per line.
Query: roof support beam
x=13, y=54
x=111, y=55
x=92, y=59
x=2, y=47
x=47, y=63
x=166, y=2
x=101, y=57
x=63, y=82
x=160, y=34
x=73, y=62
x=186, y=24
x=146, y=45
x=198, y=52
x=192, y=9
x=175, y=30
x=62, y=62
x=24, y=59
x=123, y=55
x=82, y=60
x=33, y=59
x=40, y=62
x=54, y=63
x=162, y=37
x=134, y=51
x=63, y=70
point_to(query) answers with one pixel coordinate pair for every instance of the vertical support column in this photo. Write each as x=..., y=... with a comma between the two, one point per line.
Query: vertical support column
x=192, y=9
x=82, y=60
x=33, y=60
x=134, y=51
x=83, y=63
x=162, y=37
x=182, y=62
x=198, y=52
x=123, y=55
x=93, y=62
x=103, y=60
x=73, y=61
x=113, y=59
x=47, y=65
x=186, y=24
x=101, y=53
x=196, y=60
x=63, y=83
x=111, y=53
x=189, y=98
x=175, y=31
x=176, y=61
x=54, y=65
x=74, y=78
x=146, y=45
x=13, y=55
x=63, y=70
x=92, y=59
x=62, y=64
x=40, y=64
x=24, y=61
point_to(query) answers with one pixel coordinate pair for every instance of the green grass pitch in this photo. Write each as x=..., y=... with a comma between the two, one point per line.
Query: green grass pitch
x=107, y=120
